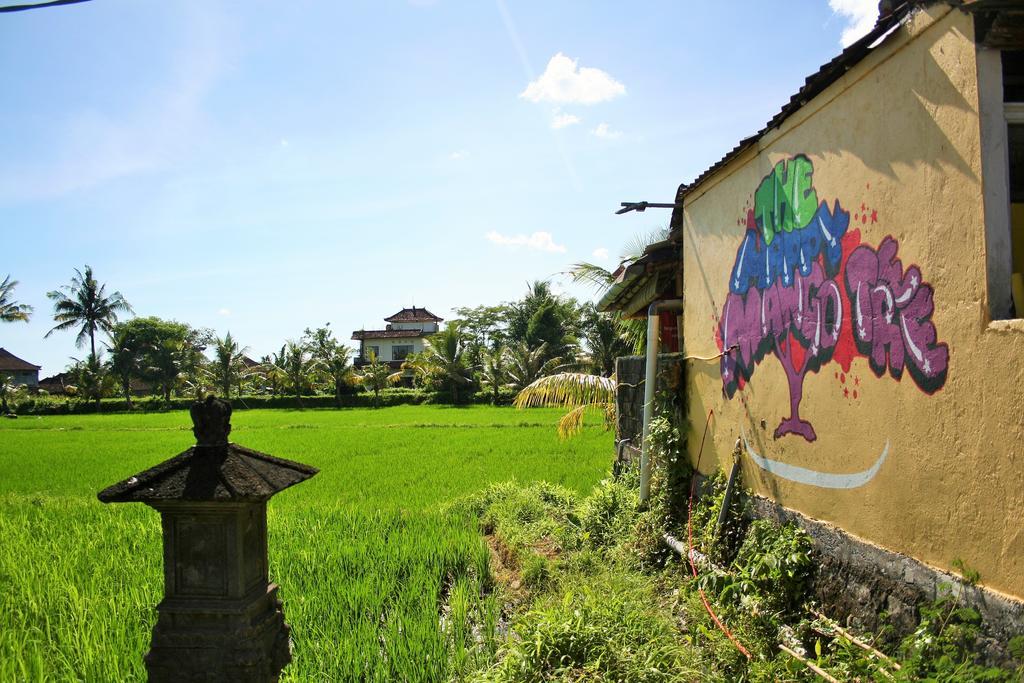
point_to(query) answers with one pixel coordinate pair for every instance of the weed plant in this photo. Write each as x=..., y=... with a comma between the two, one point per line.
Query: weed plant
x=615, y=605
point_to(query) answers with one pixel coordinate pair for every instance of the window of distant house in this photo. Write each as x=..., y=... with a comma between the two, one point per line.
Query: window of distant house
x=375, y=350
x=400, y=351
x=1013, y=109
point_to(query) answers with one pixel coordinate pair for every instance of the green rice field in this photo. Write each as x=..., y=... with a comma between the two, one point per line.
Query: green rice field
x=379, y=582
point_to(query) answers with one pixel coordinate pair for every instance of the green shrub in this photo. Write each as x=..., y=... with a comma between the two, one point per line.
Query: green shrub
x=606, y=513
x=525, y=518
x=776, y=561
x=536, y=571
x=604, y=627
x=943, y=646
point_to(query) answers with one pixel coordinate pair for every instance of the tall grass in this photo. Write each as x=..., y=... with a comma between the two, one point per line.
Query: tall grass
x=379, y=581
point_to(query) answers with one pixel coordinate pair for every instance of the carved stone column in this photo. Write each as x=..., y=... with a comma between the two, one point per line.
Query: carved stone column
x=220, y=619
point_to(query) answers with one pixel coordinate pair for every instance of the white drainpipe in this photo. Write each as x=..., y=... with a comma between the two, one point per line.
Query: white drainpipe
x=653, y=344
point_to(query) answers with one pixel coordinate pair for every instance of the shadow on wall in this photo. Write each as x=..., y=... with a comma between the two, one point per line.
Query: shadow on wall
x=901, y=120
x=710, y=374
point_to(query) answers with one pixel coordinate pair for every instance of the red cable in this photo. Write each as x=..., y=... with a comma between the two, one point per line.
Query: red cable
x=689, y=556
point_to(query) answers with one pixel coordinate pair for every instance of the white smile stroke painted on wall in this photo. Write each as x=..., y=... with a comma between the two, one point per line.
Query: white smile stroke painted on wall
x=825, y=480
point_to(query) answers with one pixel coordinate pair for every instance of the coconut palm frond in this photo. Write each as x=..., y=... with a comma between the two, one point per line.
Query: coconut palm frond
x=85, y=304
x=592, y=274
x=11, y=310
x=571, y=423
x=568, y=390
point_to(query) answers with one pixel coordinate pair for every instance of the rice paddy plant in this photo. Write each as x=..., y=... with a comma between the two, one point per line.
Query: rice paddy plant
x=380, y=580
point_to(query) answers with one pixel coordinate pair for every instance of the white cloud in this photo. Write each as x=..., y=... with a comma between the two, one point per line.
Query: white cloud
x=605, y=131
x=458, y=155
x=860, y=16
x=601, y=253
x=540, y=241
x=563, y=120
x=224, y=312
x=565, y=82
x=284, y=142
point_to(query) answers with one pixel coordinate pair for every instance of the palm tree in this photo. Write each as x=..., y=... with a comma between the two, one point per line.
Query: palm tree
x=91, y=378
x=168, y=359
x=124, y=361
x=272, y=370
x=632, y=331
x=422, y=371
x=228, y=367
x=492, y=372
x=444, y=352
x=605, y=341
x=298, y=367
x=10, y=310
x=337, y=367
x=376, y=376
x=8, y=392
x=85, y=304
x=526, y=365
x=579, y=392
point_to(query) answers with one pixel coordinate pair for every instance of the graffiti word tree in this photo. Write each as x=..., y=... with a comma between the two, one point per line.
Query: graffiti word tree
x=805, y=290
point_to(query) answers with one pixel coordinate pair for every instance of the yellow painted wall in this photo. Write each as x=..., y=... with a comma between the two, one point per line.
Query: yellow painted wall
x=896, y=139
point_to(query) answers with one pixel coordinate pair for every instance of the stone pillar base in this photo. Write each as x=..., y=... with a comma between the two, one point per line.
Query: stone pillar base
x=231, y=640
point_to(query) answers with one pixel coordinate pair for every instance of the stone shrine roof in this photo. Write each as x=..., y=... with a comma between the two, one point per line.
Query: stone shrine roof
x=212, y=470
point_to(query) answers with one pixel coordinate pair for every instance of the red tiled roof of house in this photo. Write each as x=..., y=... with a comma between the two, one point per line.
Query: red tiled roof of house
x=388, y=334
x=8, y=361
x=59, y=379
x=413, y=315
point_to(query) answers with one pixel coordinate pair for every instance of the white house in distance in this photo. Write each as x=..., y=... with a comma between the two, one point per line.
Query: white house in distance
x=20, y=371
x=403, y=335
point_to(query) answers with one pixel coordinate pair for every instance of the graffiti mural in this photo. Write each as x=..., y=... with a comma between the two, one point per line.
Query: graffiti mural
x=805, y=290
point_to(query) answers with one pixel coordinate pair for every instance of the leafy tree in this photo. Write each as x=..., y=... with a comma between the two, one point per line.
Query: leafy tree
x=444, y=353
x=320, y=342
x=484, y=328
x=493, y=375
x=166, y=352
x=86, y=305
x=228, y=367
x=376, y=376
x=525, y=365
x=541, y=317
x=10, y=310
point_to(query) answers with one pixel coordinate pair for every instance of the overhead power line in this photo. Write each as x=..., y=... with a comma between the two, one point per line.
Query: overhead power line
x=51, y=3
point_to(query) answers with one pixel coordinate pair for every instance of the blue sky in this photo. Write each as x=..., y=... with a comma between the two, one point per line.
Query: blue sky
x=261, y=167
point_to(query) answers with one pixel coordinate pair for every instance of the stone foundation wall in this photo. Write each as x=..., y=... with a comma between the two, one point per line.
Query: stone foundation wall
x=629, y=396
x=857, y=582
